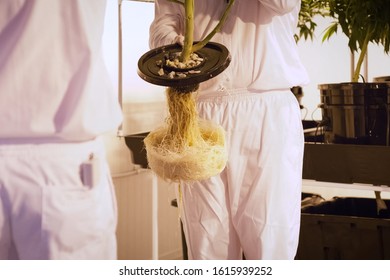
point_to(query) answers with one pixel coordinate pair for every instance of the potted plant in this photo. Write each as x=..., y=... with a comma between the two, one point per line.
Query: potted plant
x=354, y=112
x=185, y=148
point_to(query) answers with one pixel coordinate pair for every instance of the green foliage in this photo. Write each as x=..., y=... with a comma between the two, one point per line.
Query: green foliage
x=362, y=21
x=306, y=21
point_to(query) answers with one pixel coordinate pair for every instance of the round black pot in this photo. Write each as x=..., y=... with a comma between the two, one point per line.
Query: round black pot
x=356, y=113
x=216, y=59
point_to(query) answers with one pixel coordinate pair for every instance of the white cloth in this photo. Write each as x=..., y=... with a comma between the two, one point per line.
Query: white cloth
x=254, y=204
x=53, y=82
x=47, y=210
x=55, y=100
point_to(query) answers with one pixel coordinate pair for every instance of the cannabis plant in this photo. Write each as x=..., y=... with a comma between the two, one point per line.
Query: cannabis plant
x=362, y=21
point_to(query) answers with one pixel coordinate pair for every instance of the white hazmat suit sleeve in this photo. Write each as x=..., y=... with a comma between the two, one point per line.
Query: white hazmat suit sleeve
x=167, y=24
x=280, y=7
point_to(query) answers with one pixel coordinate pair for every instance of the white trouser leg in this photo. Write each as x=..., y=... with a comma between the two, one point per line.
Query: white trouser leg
x=47, y=211
x=207, y=221
x=255, y=202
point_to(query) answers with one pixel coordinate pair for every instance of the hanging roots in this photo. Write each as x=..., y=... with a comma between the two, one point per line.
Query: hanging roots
x=186, y=148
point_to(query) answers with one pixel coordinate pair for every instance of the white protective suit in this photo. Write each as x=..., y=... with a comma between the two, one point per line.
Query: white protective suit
x=56, y=194
x=254, y=204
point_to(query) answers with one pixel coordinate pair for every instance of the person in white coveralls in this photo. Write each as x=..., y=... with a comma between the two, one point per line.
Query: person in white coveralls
x=56, y=195
x=253, y=206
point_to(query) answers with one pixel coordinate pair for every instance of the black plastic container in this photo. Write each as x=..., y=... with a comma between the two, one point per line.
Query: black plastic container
x=344, y=229
x=298, y=93
x=216, y=59
x=135, y=142
x=356, y=113
x=364, y=164
x=382, y=79
x=313, y=131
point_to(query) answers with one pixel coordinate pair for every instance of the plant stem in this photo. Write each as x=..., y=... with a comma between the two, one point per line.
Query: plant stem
x=189, y=30
x=188, y=46
x=363, y=51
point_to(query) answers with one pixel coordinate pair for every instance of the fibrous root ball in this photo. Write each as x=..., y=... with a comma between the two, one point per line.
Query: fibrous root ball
x=186, y=148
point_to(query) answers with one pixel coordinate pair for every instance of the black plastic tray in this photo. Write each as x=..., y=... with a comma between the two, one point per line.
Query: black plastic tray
x=344, y=163
x=217, y=59
x=344, y=229
x=135, y=142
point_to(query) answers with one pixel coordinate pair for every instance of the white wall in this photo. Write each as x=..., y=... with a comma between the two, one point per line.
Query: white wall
x=143, y=103
x=136, y=18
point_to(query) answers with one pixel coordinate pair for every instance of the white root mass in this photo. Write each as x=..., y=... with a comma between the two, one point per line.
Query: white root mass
x=186, y=148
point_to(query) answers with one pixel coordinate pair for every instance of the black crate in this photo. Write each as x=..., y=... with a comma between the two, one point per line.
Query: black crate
x=344, y=229
x=366, y=164
x=135, y=143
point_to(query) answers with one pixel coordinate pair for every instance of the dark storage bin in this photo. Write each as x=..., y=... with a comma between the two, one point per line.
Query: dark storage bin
x=344, y=229
x=356, y=113
x=313, y=131
x=135, y=143
x=365, y=164
x=310, y=199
